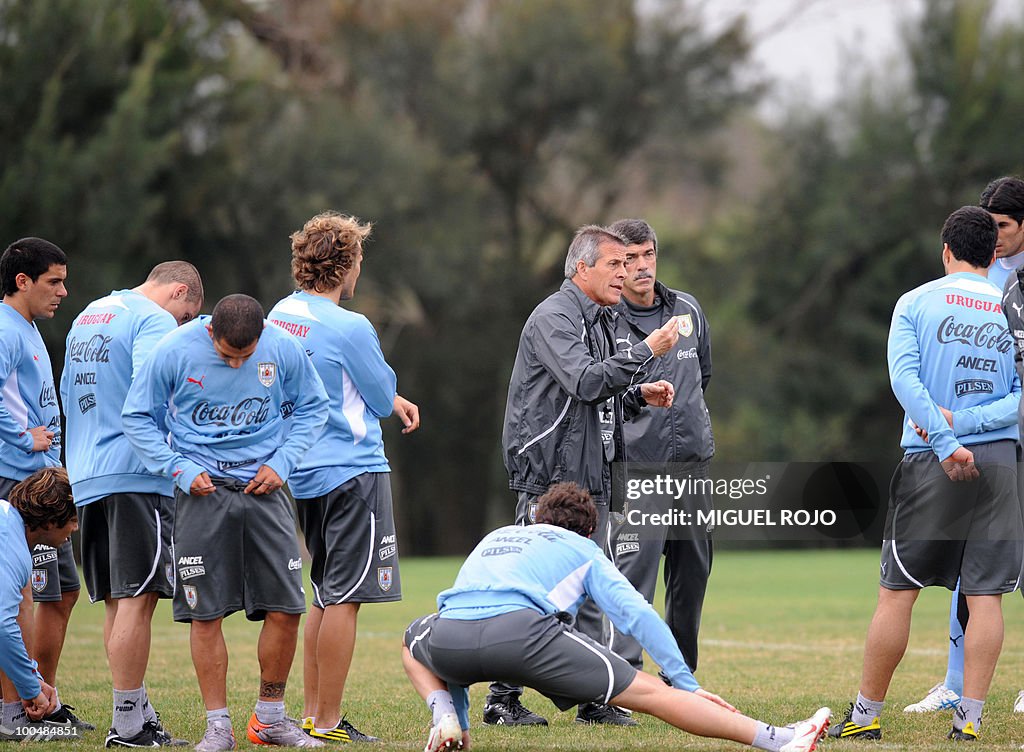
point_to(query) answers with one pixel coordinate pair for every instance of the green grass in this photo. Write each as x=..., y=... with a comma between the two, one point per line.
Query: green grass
x=783, y=634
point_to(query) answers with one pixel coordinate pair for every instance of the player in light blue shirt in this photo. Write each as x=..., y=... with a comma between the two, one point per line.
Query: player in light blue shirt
x=343, y=484
x=32, y=271
x=1003, y=198
x=37, y=511
x=951, y=367
x=127, y=512
x=243, y=404
x=508, y=616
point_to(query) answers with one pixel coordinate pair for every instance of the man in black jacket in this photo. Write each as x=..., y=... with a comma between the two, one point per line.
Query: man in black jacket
x=569, y=392
x=680, y=435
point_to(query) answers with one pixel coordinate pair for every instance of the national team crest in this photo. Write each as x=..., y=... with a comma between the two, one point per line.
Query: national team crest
x=685, y=324
x=268, y=373
x=384, y=578
x=191, y=596
x=39, y=580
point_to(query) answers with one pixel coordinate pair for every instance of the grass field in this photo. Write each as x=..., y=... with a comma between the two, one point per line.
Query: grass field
x=782, y=635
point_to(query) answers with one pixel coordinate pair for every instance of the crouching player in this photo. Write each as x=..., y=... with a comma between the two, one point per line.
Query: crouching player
x=38, y=510
x=507, y=617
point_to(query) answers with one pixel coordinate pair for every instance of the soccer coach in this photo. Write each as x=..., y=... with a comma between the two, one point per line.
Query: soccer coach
x=570, y=389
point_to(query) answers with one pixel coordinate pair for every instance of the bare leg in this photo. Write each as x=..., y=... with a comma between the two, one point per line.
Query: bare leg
x=109, y=614
x=310, y=670
x=685, y=710
x=129, y=642
x=335, y=645
x=276, y=650
x=51, y=625
x=210, y=658
x=983, y=642
x=423, y=681
x=886, y=641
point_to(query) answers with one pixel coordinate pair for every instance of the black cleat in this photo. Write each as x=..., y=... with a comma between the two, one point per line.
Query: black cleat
x=148, y=737
x=596, y=712
x=63, y=716
x=967, y=734
x=355, y=734
x=847, y=729
x=509, y=711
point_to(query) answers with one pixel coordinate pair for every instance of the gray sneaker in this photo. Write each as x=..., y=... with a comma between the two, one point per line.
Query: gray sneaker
x=282, y=734
x=218, y=738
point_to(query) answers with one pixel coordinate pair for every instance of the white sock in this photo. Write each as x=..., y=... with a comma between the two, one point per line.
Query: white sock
x=440, y=703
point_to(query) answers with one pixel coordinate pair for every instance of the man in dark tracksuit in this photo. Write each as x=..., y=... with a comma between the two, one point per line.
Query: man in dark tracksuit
x=569, y=392
x=680, y=435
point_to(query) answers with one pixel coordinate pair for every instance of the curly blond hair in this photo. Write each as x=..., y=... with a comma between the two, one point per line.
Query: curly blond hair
x=325, y=249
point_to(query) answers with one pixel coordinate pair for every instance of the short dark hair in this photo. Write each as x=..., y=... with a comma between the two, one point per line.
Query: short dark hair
x=971, y=232
x=569, y=506
x=1004, y=195
x=237, y=320
x=634, y=231
x=44, y=498
x=181, y=273
x=31, y=257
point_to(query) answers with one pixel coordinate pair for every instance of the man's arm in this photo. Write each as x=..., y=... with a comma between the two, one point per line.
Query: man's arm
x=146, y=401
x=373, y=378
x=561, y=347
x=303, y=386
x=904, y=358
x=10, y=431
x=633, y=615
x=15, y=620
x=704, y=353
x=989, y=416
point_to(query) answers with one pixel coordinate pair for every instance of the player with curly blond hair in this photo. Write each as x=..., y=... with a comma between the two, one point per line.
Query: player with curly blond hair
x=343, y=483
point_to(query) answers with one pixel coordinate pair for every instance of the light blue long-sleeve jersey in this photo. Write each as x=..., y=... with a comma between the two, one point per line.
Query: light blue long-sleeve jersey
x=106, y=347
x=15, y=568
x=551, y=570
x=346, y=353
x=28, y=397
x=949, y=347
x=222, y=420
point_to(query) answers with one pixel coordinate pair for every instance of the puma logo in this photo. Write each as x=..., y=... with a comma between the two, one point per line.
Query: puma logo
x=190, y=380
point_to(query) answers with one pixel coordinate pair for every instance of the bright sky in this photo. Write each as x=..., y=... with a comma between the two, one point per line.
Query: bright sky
x=808, y=45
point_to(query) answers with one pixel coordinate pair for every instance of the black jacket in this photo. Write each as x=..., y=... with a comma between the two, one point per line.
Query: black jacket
x=681, y=433
x=566, y=371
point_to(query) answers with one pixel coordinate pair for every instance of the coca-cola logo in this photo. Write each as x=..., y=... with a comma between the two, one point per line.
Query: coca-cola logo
x=989, y=336
x=48, y=396
x=248, y=412
x=93, y=350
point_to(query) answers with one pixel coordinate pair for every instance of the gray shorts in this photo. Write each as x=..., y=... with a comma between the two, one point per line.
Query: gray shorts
x=233, y=552
x=53, y=569
x=126, y=545
x=522, y=647
x=937, y=530
x=350, y=533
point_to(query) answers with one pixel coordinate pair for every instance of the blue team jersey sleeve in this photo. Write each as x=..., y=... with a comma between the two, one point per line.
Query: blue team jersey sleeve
x=633, y=615
x=904, y=357
x=303, y=387
x=372, y=376
x=10, y=431
x=990, y=416
x=140, y=417
x=14, y=571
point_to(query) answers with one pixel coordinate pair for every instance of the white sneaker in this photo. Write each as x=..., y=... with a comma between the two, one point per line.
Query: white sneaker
x=447, y=734
x=938, y=698
x=1018, y=705
x=218, y=738
x=806, y=734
